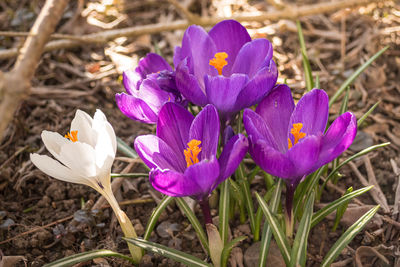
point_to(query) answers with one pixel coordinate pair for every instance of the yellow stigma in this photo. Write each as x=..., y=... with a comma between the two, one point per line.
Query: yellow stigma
x=192, y=152
x=73, y=136
x=296, y=134
x=219, y=61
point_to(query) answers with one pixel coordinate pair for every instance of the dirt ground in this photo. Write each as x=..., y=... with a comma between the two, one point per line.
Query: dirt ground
x=42, y=218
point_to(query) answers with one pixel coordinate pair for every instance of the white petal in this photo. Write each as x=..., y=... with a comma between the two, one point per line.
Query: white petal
x=106, y=141
x=80, y=158
x=82, y=123
x=99, y=116
x=53, y=142
x=54, y=169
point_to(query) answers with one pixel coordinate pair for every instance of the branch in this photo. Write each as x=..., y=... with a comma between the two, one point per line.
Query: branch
x=15, y=85
x=289, y=12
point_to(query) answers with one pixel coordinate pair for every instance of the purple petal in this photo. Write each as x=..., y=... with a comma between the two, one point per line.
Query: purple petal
x=135, y=108
x=338, y=138
x=151, y=93
x=312, y=111
x=258, y=87
x=152, y=63
x=173, y=127
x=229, y=36
x=204, y=175
x=276, y=109
x=200, y=48
x=304, y=155
x=173, y=183
x=205, y=128
x=233, y=153
x=222, y=91
x=253, y=56
x=131, y=80
x=257, y=128
x=155, y=153
x=189, y=86
x=271, y=160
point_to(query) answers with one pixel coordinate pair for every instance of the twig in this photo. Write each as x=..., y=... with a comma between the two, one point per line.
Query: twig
x=289, y=12
x=192, y=18
x=15, y=85
x=396, y=205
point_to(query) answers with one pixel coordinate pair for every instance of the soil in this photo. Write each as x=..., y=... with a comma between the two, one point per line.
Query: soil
x=43, y=219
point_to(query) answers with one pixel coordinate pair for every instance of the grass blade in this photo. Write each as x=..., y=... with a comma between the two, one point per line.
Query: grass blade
x=347, y=236
x=197, y=226
x=129, y=175
x=277, y=230
x=228, y=248
x=155, y=215
x=86, y=256
x=125, y=149
x=299, y=248
x=355, y=75
x=306, y=62
x=267, y=233
x=362, y=119
x=224, y=200
x=171, y=253
x=341, y=210
x=325, y=211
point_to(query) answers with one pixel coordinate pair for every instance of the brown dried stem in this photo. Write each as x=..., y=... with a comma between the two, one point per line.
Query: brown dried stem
x=15, y=85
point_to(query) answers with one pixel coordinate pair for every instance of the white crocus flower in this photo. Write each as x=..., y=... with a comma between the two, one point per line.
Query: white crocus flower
x=85, y=156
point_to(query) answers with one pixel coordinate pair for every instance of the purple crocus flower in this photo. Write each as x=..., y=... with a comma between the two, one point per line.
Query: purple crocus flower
x=290, y=141
x=182, y=156
x=224, y=67
x=149, y=87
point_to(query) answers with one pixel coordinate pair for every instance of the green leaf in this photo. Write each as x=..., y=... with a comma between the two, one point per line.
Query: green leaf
x=86, y=256
x=277, y=230
x=228, y=248
x=362, y=119
x=299, y=248
x=345, y=239
x=325, y=211
x=343, y=107
x=306, y=62
x=171, y=253
x=259, y=213
x=194, y=222
x=125, y=149
x=267, y=233
x=224, y=200
x=355, y=75
x=129, y=175
x=237, y=194
x=342, y=209
x=317, y=82
x=155, y=215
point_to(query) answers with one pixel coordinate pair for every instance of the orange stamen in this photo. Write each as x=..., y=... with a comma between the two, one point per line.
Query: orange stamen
x=219, y=61
x=295, y=131
x=192, y=152
x=73, y=136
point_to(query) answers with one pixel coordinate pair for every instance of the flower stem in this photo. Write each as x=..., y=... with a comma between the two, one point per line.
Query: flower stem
x=290, y=188
x=205, y=208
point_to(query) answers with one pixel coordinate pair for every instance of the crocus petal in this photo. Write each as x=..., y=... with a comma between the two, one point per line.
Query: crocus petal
x=257, y=128
x=173, y=128
x=252, y=57
x=82, y=123
x=53, y=142
x=106, y=143
x=135, y=108
x=131, y=81
x=271, y=160
x=304, y=156
x=205, y=127
x=312, y=111
x=151, y=93
x=155, y=153
x=189, y=86
x=222, y=91
x=258, y=87
x=229, y=36
x=233, y=153
x=338, y=138
x=152, y=63
x=79, y=157
x=200, y=48
x=54, y=169
x=173, y=183
x=276, y=109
